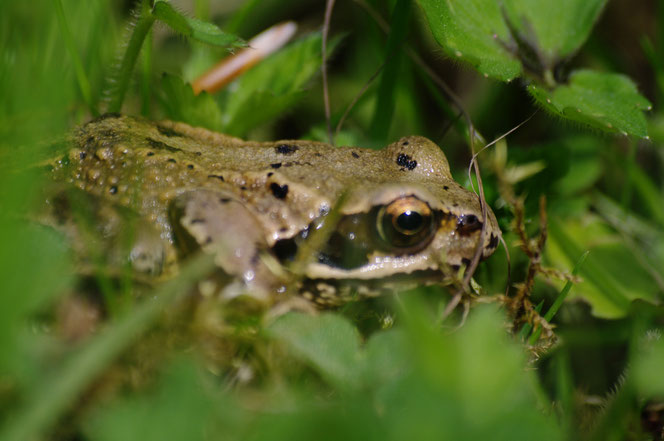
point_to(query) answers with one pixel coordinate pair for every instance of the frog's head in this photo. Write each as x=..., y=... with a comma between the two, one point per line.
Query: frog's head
x=404, y=228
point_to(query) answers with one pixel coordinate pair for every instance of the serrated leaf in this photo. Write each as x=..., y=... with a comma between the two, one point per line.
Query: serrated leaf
x=328, y=342
x=606, y=101
x=554, y=29
x=474, y=31
x=181, y=104
x=270, y=88
x=193, y=28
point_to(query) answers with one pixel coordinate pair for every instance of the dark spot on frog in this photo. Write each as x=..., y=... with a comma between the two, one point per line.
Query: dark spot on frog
x=279, y=191
x=318, y=155
x=171, y=160
x=221, y=178
x=355, y=155
x=161, y=146
x=465, y=261
x=208, y=240
x=269, y=174
x=445, y=187
x=286, y=149
x=90, y=142
x=493, y=242
x=166, y=131
x=224, y=200
x=285, y=249
x=82, y=155
x=190, y=166
x=276, y=165
x=198, y=221
x=150, y=154
x=405, y=143
x=406, y=161
x=197, y=153
x=283, y=229
x=113, y=189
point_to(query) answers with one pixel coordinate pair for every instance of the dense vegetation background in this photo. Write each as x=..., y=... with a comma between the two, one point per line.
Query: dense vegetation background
x=390, y=368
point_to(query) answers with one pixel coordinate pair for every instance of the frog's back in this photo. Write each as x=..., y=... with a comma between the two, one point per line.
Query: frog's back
x=144, y=165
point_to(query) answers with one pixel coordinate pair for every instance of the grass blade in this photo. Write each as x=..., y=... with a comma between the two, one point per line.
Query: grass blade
x=81, y=77
x=559, y=300
x=380, y=124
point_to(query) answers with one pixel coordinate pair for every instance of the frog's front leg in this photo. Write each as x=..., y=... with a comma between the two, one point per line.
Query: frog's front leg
x=220, y=224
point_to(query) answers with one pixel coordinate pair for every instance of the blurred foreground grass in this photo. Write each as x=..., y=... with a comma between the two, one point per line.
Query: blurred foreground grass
x=385, y=369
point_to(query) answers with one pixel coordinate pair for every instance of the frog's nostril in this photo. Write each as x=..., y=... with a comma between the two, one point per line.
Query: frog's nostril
x=468, y=223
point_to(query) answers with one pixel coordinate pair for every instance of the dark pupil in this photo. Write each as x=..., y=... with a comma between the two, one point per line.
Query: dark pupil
x=409, y=222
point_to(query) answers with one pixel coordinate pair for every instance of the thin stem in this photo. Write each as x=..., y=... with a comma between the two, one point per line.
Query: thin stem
x=326, y=96
x=139, y=34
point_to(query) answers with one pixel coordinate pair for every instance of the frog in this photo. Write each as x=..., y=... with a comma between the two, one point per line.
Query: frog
x=401, y=220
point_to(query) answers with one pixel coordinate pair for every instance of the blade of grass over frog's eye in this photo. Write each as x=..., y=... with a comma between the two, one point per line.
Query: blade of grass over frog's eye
x=196, y=29
x=560, y=299
x=81, y=77
x=382, y=117
x=262, y=45
x=56, y=395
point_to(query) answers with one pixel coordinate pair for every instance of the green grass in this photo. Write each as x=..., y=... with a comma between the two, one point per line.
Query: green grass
x=163, y=365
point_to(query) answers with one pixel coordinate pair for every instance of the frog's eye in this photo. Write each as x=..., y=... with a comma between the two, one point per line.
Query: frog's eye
x=405, y=223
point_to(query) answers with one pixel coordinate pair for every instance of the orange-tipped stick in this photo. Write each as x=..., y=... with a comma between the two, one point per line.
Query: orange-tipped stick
x=229, y=68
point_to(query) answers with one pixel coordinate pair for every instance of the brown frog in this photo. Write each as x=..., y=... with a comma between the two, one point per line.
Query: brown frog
x=403, y=221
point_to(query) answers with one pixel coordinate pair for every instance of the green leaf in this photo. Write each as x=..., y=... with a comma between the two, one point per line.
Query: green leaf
x=328, y=342
x=178, y=410
x=555, y=29
x=474, y=31
x=647, y=368
x=56, y=393
x=606, y=101
x=612, y=275
x=267, y=90
x=193, y=28
x=181, y=104
x=467, y=385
